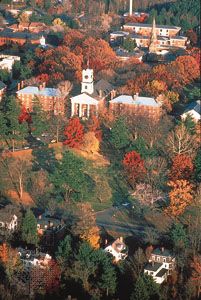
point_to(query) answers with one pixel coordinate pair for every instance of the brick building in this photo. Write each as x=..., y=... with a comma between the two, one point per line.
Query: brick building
x=34, y=27
x=146, y=29
x=51, y=99
x=20, y=38
x=137, y=105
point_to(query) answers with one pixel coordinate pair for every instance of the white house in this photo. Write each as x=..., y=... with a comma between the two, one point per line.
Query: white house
x=92, y=97
x=193, y=110
x=8, y=61
x=117, y=249
x=31, y=259
x=8, y=218
x=161, y=264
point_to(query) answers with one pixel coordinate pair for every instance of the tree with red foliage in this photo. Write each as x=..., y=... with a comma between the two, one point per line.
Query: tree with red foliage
x=74, y=133
x=46, y=279
x=134, y=167
x=24, y=116
x=182, y=167
x=192, y=35
x=94, y=126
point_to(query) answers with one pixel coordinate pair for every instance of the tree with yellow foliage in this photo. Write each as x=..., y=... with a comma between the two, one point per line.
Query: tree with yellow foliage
x=90, y=142
x=86, y=227
x=181, y=195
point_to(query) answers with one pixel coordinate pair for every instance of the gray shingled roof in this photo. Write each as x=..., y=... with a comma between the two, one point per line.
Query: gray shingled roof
x=104, y=86
x=164, y=252
x=20, y=35
x=153, y=266
x=196, y=106
x=161, y=272
x=150, y=26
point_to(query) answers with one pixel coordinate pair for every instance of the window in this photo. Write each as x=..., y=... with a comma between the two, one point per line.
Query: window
x=85, y=87
x=167, y=30
x=161, y=29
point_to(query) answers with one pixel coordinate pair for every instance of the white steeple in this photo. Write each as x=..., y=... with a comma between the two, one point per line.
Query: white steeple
x=87, y=81
x=42, y=41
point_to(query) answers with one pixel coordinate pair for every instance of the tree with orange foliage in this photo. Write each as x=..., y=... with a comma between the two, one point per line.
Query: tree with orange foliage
x=182, y=167
x=196, y=274
x=90, y=143
x=155, y=87
x=74, y=133
x=134, y=167
x=86, y=227
x=180, y=197
x=4, y=253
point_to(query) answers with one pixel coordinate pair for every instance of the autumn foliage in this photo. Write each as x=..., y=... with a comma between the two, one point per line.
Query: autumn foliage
x=196, y=273
x=182, y=167
x=94, y=126
x=181, y=195
x=134, y=167
x=4, y=253
x=74, y=133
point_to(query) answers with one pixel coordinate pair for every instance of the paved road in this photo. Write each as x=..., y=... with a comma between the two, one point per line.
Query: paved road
x=106, y=220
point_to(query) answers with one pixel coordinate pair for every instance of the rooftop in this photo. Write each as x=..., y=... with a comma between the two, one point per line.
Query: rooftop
x=196, y=106
x=150, y=26
x=20, y=35
x=34, y=90
x=154, y=266
x=126, y=99
x=104, y=86
x=162, y=252
x=161, y=272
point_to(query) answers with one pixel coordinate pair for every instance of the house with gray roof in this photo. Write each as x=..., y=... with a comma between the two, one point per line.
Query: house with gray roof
x=193, y=110
x=161, y=264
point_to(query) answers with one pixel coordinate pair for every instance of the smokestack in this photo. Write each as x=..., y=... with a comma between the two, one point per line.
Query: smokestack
x=131, y=8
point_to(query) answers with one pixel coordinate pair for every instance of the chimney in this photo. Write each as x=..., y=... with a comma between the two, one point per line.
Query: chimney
x=40, y=87
x=44, y=84
x=18, y=86
x=22, y=84
x=100, y=93
x=121, y=239
x=40, y=217
x=162, y=249
x=113, y=94
x=135, y=97
x=152, y=263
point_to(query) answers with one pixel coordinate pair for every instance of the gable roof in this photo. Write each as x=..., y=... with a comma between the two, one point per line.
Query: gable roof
x=196, y=106
x=126, y=99
x=154, y=266
x=34, y=90
x=104, y=86
x=85, y=98
x=161, y=252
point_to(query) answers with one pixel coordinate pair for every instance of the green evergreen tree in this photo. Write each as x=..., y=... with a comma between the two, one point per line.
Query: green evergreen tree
x=70, y=179
x=120, y=136
x=140, y=291
x=64, y=251
x=178, y=236
x=94, y=269
x=129, y=44
x=39, y=119
x=29, y=228
x=16, y=131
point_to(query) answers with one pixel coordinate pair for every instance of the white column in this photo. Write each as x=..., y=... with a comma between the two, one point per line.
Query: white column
x=80, y=110
x=72, y=109
x=131, y=8
x=88, y=110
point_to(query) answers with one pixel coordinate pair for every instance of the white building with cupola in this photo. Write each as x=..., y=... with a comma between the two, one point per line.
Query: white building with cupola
x=93, y=96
